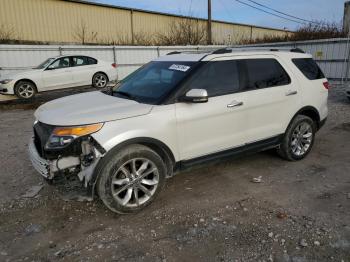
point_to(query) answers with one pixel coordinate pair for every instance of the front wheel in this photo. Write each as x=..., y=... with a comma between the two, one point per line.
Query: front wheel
x=130, y=179
x=99, y=80
x=298, y=139
x=25, y=89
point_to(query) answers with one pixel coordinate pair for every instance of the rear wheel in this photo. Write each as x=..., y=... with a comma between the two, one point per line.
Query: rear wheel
x=131, y=179
x=99, y=80
x=298, y=139
x=25, y=89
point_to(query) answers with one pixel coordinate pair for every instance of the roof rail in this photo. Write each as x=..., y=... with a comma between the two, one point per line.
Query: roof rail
x=232, y=49
x=227, y=50
x=174, y=53
x=222, y=51
x=297, y=50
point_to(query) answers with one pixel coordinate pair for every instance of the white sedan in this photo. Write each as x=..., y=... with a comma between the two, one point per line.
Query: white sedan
x=59, y=72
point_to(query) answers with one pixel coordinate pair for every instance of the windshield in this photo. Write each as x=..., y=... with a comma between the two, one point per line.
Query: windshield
x=152, y=82
x=45, y=63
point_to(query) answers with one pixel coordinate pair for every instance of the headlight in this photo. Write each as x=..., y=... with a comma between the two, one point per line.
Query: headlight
x=5, y=81
x=63, y=136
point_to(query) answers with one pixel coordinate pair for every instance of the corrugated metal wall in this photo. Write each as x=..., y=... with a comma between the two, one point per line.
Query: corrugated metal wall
x=332, y=55
x=59, y=21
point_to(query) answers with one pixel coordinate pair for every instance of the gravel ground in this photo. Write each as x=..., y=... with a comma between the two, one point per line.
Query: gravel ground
x=299, y=212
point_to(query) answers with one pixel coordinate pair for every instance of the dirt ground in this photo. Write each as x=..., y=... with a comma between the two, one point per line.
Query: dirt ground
x=299, y=212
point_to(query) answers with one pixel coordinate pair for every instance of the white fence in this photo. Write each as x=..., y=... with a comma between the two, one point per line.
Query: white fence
x=331, y=54
x=17, y=58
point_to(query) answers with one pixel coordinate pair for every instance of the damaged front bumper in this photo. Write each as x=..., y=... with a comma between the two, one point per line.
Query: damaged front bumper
x=67, y=165
x=41, y=165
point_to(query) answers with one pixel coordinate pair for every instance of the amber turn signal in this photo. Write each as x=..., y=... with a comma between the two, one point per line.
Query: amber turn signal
x=77, y=130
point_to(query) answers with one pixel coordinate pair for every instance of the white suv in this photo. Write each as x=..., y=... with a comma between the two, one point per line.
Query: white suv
x=176, y=111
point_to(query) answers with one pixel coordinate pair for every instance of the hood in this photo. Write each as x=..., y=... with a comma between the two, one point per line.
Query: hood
x=89, y=108
x=20, y=74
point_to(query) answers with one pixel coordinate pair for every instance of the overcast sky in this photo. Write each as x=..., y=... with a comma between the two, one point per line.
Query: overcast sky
x=233, y=11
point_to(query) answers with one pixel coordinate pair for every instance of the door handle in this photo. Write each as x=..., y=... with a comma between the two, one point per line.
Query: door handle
x=234, y=104
x=291, y=92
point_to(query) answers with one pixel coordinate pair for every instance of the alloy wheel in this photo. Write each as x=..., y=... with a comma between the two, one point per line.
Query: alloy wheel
x=100, y=80
x=26, y=90
x=301, y=138
x=135, y=182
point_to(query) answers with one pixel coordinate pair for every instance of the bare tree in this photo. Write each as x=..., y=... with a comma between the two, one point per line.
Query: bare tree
x=185, y=31
x=142, y=38
x=310, y=31
x=7, y=33
x=319, y=30
x=82, y=33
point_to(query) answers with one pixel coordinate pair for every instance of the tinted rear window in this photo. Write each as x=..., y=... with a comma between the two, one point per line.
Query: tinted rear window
x=263, y=73
x=309, y=68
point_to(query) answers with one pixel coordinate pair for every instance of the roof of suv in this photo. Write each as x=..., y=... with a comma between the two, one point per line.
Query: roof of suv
x=206, y=56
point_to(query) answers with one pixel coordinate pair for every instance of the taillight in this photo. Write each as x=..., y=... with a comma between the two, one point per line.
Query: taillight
x=114, y=65
x=326, y=85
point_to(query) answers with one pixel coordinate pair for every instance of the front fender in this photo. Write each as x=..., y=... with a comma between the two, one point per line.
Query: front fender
x=148, y=126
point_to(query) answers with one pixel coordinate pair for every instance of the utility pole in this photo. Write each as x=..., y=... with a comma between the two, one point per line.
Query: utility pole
x=209, y=42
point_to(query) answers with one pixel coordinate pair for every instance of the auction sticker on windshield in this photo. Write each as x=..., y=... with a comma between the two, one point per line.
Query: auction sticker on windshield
x=182, y=68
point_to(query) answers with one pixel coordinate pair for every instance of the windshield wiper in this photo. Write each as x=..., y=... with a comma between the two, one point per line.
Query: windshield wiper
x=125, y=94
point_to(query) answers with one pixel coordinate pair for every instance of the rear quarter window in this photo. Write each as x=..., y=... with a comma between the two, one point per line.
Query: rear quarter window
x=309, y=68
x=91, y=61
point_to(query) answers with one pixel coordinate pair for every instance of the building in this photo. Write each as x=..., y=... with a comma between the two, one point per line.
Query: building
x=76, y=21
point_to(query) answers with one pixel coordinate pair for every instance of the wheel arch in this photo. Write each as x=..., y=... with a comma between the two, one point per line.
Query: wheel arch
x=29, y=80
x=156, y=145
x=311, y=112
x=100, y=72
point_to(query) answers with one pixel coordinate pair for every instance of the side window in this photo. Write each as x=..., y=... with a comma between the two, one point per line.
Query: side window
x=217, y=77
x=264, y=73
x=309, y=68
x=80, y=61
x=92, y=61
x=60, y=63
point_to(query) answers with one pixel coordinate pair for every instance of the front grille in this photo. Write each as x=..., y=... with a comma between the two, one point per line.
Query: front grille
x=42, y=133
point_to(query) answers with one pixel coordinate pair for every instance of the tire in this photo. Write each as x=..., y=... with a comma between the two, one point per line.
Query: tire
x=99, y=80
x=298, y=139
x=117, y=173
x=25, y=89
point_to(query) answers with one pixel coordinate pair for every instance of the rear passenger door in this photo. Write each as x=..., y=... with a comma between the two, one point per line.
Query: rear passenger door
x=82, y=70
x=270, y=97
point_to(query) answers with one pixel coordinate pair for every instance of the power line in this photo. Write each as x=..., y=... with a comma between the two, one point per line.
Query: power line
x=262, y=10
x=305, y=20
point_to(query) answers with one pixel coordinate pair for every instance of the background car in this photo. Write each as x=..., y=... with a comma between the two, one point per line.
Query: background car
x=59, y=72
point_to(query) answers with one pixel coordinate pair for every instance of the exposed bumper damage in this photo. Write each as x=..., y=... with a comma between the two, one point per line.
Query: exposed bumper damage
x=82, y=165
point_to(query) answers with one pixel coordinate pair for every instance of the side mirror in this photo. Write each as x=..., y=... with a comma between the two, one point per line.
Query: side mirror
x=196, y=96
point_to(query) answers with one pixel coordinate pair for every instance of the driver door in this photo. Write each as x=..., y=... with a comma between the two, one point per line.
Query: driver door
x=57, y=74
x=219, y=124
